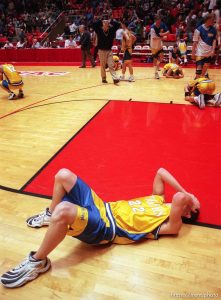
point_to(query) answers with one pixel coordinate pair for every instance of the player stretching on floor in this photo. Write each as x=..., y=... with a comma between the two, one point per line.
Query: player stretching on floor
x=201, y=92
x=77, y=211
x=11, y=80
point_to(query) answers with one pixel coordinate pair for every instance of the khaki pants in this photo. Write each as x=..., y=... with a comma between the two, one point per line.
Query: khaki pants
x=106, y=58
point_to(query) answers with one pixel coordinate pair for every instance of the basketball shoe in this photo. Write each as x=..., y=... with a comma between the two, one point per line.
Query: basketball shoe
x=131, y=78
x=157, y=76
x=40, y=220
x=11, y=96
x=217, y=98
x=28, y=270
x=200, y=101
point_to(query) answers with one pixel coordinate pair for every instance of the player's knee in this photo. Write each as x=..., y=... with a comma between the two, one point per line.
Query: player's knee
x=64, y=175
x=64, y=212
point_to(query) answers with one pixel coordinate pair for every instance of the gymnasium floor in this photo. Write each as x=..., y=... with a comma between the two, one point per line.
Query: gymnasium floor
x=63, y=104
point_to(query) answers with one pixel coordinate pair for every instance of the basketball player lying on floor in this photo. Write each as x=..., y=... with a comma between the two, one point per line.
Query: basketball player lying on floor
x=201, y=92
x=77, y=211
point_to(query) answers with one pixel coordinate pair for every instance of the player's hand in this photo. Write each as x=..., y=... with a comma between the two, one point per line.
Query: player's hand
x=196, y=204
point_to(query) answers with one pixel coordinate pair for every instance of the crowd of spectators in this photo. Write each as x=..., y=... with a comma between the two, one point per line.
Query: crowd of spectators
x=22, y=22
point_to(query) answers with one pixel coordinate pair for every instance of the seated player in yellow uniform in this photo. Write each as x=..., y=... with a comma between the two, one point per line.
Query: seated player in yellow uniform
x=200, y=91
x=172, y=70
x=77, y=211
x=117, y=63
x=11, y=80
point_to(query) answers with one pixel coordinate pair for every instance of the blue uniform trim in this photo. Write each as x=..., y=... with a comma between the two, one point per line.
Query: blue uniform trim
x=96, y=229
x=158, y=29
x=207, y=35
x=5, y=84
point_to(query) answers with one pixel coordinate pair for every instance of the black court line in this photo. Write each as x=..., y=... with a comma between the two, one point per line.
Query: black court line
x=45, y=165
x=11, y=190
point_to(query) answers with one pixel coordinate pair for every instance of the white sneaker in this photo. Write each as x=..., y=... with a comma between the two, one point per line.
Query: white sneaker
x=11, y=96
x=122, y=77
x=131, y=78
x=200, y=101
x=40, y=220
x=28, y=270
x=157, y=75
x=216, y=63
x=217, y=99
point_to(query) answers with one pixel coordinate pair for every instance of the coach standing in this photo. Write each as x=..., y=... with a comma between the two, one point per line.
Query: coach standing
x=85, y=42
x=106, y=32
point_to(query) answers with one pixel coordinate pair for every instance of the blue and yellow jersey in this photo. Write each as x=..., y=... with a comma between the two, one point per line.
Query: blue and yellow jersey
x=173, y=67
x=120, y=222
x=204, y=36
x=139, y=218
x=201, y=85
x=11, y=75
x=182, y=47
x=94, y=223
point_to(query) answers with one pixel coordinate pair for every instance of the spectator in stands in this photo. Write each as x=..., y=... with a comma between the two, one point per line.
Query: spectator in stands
x=70, y=42
x=183, y=48
x=174, y=55
x=119, y=36
x=94, y=43
x=8, y=45
x=204, y=43
x=157, y=32
x=106, y=31
x=21, y=44
x=47, y=43
x=67, y=30
x=85, y=42
x=73, y=28
x=139, y=30
x=36, y=44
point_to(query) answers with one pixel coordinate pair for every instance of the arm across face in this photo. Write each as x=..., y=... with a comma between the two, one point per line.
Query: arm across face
x=184, y=205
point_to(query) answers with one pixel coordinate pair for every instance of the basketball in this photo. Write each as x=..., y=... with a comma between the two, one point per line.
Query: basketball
x=206, y=87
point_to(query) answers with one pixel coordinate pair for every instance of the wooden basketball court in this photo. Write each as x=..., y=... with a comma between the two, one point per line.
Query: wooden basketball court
x=55, y=107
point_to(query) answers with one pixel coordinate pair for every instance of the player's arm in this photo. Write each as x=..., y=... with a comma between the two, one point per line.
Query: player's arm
x=181, y=73
x=214, y=47
x=169, y=73
x=180, y=202
x=195, y=42
x=188, y=91
x=163, y=176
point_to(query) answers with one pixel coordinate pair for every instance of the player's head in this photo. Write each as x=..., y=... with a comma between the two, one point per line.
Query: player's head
x=81, y=28
x=116, y=58
x=209, y=19
x=206, y=86
x=124, y=24
x=177, y=73
x=191, y=217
